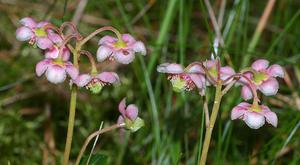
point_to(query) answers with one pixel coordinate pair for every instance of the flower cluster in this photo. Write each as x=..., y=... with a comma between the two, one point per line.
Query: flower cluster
x=260, y=76
x=195, y=75
x=56, y=64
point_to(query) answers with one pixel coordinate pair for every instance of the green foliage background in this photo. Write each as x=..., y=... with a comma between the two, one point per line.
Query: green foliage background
x=34, y=113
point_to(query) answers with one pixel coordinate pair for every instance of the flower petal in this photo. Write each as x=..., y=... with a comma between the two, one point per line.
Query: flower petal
x=83, y=80
x=254, y=120
x=122, y=107
x=41, y=67
x=42, y=24
x=44, y=42
x=275, y=71
x=246, y=92
x=103, y=53
x=170, y=68
x=106, y=39
x=242, y=80
x=55, y=38
x=238, y=111
x=269, y=87
x=131, y=112
x=65, y=54
x=198, y=79
x=271, y=118
x=71, y=70
x=108, y=77
x=196, y=69
x=28, y=21
x=24, y=33
x=139, y=47
x=120, y=120
x=260, y=64
x=124, y=56
x=128, y=38
x=226, y=72
x=52, y=52
x=209, y=63
x=56, y=74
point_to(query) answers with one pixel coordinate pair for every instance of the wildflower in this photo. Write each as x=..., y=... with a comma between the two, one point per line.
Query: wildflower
x=254, y=115
x=36, y=33
x=97, y=82
x=129, y=116
x=53, y=51
x=263, y=77
x=184, y=79
x=56, y=70
x=122, y=50
x=225, y=72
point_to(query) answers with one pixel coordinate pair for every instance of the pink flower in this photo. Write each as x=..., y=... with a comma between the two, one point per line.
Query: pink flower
x=56, y=71
x=53, y=52
x=254, y=116
x=263, y=77
x=123, y=51
x=211, y=66
x=184, y=79
x=97, y=82
x=35, y=32
x=129, y=116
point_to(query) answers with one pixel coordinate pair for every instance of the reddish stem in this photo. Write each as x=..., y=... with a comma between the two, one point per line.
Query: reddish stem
x=110, y=28
x=72, y=27
x=204, y=68
x=65, y=41
x=91, y=59
x=52, y=27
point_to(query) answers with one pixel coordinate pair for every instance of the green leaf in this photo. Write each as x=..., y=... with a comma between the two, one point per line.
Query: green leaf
x=96, y=159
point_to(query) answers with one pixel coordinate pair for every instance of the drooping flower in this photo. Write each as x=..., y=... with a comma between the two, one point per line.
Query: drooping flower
x=263, y=77
x=122, y=50
x=254, y=115
x=225, y=72
x=35, y=32
x=53, y=51
x=97, y=82
x=129, y=116
x=184, y=79
x=56, y=70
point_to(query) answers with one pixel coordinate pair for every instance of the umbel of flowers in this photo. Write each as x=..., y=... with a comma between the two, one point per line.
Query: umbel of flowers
x=200, y=75
x=58, y=67
x=260, y=77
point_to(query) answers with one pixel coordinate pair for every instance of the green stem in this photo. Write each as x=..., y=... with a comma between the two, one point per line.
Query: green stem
x=70, y=125
x=71, y=110
x=212, y=121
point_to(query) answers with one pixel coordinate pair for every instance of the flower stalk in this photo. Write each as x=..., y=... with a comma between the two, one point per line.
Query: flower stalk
x=212, y=121
x=72, y=111
x=106, y=28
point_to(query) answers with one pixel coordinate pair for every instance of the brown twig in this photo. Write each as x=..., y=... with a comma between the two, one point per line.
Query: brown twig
x=89, y=138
